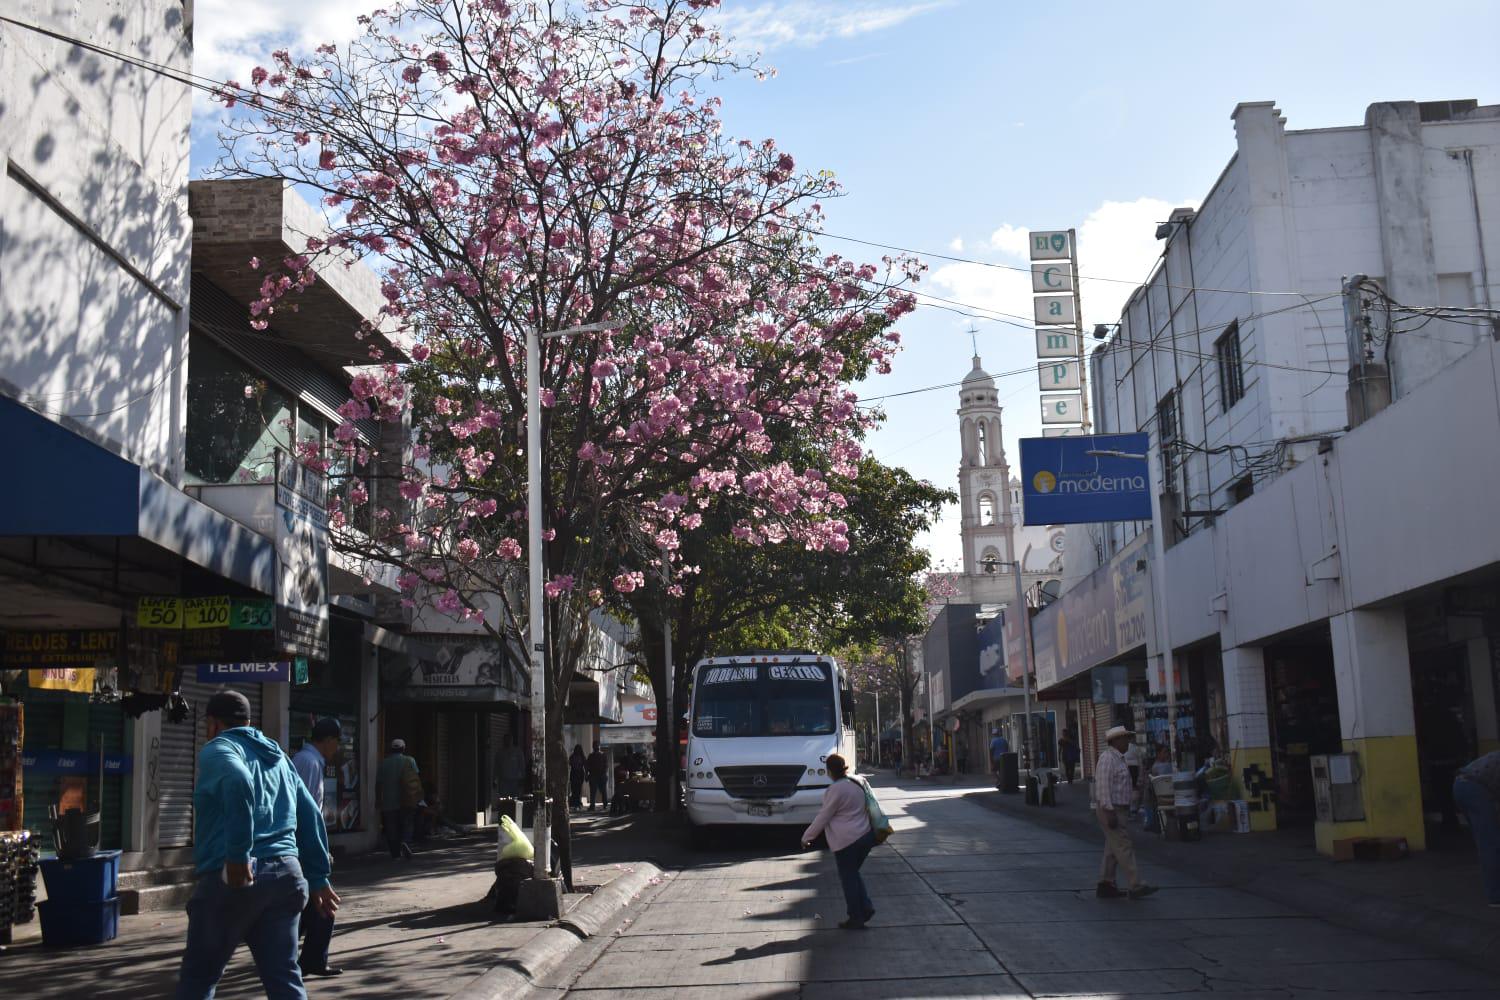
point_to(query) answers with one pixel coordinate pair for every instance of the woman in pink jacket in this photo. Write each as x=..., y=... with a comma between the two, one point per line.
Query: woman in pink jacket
x=846, y=822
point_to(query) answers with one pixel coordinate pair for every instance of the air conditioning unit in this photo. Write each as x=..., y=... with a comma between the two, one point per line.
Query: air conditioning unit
x=1336, y=787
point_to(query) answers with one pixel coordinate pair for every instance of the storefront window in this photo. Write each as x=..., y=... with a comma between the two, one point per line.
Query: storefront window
x=333, y=691
x=236, y=418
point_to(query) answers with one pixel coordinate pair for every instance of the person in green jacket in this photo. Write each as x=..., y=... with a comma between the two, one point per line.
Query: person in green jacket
x=260, y=852
x=398, y=792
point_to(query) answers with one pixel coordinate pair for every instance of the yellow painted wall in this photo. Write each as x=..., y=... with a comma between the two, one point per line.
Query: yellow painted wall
x=1391, y=787
x=1242, y=759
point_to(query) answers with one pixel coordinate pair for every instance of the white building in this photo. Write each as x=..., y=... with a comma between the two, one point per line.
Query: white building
x=1328, y=589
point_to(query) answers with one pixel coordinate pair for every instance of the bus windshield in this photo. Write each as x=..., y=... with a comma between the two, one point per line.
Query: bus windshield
x=764, y=699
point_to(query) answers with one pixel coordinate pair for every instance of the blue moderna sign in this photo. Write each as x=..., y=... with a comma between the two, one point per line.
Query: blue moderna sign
x=1081, y=480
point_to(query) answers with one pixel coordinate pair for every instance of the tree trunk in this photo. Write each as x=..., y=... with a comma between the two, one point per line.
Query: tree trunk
x=653, y=648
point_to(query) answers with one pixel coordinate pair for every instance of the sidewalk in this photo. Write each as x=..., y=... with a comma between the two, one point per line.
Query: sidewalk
x=1432, y=898
x=417, y=928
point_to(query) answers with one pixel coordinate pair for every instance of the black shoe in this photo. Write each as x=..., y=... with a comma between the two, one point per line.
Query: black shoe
x=1141, y=891
x=325, y=972
x=1108, y=890
x=406, y=850
x=869, y=914
x=851, y=925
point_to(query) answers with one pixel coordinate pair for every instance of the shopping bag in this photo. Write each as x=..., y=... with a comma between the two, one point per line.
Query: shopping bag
x=878, y=821
x=514, y=844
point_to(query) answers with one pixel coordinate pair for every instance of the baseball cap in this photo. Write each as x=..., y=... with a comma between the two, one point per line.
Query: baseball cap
x=229, y=706
x=398, y=746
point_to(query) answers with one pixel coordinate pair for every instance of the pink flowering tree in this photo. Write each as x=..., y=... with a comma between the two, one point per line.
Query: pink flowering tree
x=515, y=165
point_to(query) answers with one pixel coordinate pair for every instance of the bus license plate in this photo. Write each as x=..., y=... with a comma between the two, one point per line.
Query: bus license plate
x=759, y=809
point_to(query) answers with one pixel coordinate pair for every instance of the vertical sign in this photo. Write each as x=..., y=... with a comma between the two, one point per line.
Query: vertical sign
x=1059, y=330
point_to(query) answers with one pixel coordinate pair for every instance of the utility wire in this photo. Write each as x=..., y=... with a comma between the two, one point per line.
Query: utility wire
x=216, y=87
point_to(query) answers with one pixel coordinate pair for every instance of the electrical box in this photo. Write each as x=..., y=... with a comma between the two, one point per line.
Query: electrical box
x=1336, y=787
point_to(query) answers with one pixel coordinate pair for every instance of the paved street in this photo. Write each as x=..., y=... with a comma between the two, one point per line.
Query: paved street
x=975, y=903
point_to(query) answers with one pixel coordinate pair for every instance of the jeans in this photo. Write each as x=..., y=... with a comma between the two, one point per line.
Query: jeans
x=1483, y=813
x=317, y=933
x=849, y=859
x=398, y=824
x=262, y=914
x=597, y=794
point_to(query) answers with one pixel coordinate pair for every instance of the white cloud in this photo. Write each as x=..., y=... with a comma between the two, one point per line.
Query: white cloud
x=1116, y=240
x=779, y=23
x=230, y=37
x=1009, y=240
x=956, y=244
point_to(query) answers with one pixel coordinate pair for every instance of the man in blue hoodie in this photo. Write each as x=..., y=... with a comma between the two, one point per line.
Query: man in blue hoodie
x=260, y=852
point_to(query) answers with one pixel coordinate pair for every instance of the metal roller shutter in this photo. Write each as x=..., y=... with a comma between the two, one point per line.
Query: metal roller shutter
x=180, y=743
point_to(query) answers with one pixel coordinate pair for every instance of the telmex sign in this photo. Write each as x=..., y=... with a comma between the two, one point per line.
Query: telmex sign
x=1086, y=479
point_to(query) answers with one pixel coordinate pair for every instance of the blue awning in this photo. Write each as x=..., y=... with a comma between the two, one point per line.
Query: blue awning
x=65, y=485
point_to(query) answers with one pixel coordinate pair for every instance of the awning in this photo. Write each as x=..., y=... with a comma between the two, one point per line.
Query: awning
x=90, y=492
x=976, y=700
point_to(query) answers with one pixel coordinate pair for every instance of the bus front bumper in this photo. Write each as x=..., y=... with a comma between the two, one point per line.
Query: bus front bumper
x=716, y=807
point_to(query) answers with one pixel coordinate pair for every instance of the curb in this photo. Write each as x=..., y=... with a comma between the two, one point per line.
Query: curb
x=523, y=969
x=1448, y=935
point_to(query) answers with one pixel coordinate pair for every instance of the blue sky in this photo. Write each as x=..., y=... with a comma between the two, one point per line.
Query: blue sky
x=962, y=123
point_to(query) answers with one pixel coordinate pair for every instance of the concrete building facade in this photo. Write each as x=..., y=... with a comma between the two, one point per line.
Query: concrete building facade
x=1328, y=589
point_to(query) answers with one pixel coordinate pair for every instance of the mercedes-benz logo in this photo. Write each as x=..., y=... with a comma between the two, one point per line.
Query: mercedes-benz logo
x=759, y=781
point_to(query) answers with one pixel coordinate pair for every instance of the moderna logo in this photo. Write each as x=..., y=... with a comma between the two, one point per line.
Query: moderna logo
x=1046, y=482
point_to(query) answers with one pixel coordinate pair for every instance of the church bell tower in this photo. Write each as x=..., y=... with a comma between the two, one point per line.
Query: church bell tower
x=983, y=476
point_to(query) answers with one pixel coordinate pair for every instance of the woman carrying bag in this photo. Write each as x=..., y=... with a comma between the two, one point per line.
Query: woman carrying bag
x=846, y=818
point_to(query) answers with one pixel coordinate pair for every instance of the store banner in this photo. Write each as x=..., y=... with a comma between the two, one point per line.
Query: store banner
x=279, y=672
x=1086, y=479
x=302, y=559
x=1104, y=617
x=62, y=660
x=76, y=762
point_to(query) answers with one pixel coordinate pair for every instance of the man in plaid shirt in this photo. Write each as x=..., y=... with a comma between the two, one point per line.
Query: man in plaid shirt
x=1113, y=793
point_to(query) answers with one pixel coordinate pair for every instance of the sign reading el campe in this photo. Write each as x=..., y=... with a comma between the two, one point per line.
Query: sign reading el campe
x=1059, y=340
x=1085, y=479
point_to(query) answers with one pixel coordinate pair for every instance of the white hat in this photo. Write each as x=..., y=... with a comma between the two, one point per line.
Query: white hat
x=1116, y=732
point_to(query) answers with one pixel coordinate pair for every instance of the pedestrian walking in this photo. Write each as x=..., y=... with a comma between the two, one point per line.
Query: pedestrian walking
x=578, y=773
x=1067, y=749
x=846, y=823
x=999, y=747
x=318, y=751
x=1113, y=794
x=598, y=767
x=398, y=791
x=260, y=853
x=1476, y=792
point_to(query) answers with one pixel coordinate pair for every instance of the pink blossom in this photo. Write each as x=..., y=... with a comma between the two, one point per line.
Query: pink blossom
x=558, y=586
x=467, y=550
x=509, y=549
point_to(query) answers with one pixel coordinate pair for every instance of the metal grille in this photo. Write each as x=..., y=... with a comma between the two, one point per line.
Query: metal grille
x=180, y=743
x=770, y=781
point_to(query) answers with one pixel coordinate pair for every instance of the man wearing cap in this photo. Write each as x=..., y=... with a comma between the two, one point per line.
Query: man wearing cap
x=1113, y=794
x=260, y=852
x=317, y=752
x=398, y=787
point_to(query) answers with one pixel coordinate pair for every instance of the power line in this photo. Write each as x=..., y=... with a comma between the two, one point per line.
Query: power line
x=215, y=87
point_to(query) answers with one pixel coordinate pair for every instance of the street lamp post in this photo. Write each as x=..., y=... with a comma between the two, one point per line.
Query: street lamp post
x=536, y=628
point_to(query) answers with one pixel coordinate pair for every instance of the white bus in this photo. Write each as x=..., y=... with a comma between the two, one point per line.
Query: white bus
x=761, y=729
